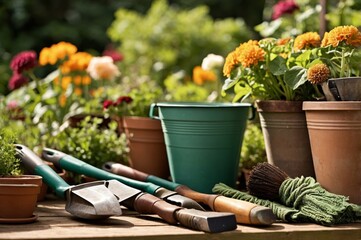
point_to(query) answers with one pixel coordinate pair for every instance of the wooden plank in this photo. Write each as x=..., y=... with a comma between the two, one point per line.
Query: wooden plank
x=54, y=223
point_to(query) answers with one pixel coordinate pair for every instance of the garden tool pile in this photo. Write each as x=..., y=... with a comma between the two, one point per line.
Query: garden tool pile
x=102, y=199
x=246, y=213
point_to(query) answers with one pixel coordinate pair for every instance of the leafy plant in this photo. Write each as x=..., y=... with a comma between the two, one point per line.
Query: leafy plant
x=9, y=163
x=92, y=144
x=253, y=147
x=166, y=39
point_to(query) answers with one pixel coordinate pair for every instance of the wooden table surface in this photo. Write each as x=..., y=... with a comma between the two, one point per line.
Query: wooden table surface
x=54, y=222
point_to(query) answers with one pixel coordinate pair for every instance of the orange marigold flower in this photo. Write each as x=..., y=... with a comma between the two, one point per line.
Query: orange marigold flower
x=283, y=41
x=347, y=34
x=250, y=53
x=78, y=91
x=81, y=80
x=200, y=75
x=77, y=62
x=56, y=53
x=62, y=100
x=306, y=40
x=318, y=73
x=230, y=63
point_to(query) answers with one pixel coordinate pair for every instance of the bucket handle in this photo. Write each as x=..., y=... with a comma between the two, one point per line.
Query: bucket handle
x=252, y=114
x=151, y=111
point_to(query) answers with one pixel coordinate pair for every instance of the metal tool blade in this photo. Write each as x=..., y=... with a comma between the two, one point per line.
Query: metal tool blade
x=92, y=201
x=177, y=199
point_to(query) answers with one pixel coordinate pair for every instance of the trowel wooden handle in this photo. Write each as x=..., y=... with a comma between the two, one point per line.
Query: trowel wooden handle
x=246, y=212
x=125, y=171
x=149, y=204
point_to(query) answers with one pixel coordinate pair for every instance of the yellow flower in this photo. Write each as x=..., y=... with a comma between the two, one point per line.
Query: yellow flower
x=62, y=100
x=347, y=34
x=82, y=80
x=318, y=73
x=200, y=75
x=307, y=40
x=56, y=53
x=249, y=53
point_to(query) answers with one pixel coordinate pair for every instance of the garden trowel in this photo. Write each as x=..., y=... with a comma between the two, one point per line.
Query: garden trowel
x=88, y=201
x=246, y=212
x=73, y=164
x=148, y=204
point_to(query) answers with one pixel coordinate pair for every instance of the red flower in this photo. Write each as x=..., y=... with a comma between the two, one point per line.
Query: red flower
x=23, y=61
x=16, y=81
x=122, y=99
x=107, y=104
x=115, y=55
x=284, y=7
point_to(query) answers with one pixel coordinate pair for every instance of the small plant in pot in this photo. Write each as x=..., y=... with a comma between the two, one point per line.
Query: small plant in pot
x=18, y=192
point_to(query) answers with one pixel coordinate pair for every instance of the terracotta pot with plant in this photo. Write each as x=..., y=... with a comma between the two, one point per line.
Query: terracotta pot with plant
x=334, y=125
x=259, y=71
x=18, y=193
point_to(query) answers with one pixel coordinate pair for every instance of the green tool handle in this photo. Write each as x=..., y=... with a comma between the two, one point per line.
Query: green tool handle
x=73, y=164
x=36, y=165
x=132, y=173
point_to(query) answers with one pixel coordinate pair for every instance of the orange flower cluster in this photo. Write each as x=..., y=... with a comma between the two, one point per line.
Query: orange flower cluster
x=57, y=52
x=247, y=54
x=200, y=76
x=306, y=40
x=318, y=73
x=342, y=34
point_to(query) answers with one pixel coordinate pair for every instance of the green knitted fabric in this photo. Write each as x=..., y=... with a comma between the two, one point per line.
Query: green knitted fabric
x=308, y=196
x=304, y=200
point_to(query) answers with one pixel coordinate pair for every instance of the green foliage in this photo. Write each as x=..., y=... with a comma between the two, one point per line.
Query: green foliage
x=253, y=147
x=307, y=18
x=177, y=90
x=92, y=144
x=167, y=40
x=9, y=163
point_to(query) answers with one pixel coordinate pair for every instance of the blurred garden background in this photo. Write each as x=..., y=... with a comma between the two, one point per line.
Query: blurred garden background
x=158, y=45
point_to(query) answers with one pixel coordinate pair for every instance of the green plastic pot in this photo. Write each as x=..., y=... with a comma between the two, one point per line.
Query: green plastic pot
x=203, y=141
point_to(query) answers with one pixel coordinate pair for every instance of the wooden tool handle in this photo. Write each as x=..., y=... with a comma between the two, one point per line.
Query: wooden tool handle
x=207, y=199
x=126, y=171
x=149, y=204
x=246, y=212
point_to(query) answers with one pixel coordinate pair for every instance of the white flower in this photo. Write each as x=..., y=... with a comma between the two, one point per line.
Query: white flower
x=103, y=68
x=212, y=61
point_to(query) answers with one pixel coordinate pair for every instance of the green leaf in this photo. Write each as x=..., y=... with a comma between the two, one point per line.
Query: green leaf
x=296, y=76
x=278, y=66
x=303, y=58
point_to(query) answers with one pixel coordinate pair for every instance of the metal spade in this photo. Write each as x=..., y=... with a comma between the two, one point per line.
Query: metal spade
x=88, y=201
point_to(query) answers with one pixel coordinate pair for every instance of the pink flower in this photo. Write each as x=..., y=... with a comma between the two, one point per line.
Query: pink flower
x=24, y=61
x=103, y=68
x=107, y=104
x=13, y=104
x=284, y=7
x=122, y=99
x=114, y=54
x=17, y=80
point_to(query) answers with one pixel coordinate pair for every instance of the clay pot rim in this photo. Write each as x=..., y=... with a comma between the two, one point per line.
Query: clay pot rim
x=26, y=176
x=331, y=105
x=278, y=106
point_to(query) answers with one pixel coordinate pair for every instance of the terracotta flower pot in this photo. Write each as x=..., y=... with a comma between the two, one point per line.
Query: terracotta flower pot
x=147, y=148
x=18, y=197
x=286, y=137
x=335, y=135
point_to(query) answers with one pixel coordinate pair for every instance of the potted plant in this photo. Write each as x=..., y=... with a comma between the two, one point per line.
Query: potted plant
x=91, y=144
x=145, y=138
x=18, y=193
x=334, y=125
x=258, y=71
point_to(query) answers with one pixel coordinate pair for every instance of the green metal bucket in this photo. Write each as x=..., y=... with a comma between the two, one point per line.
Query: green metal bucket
x=203, y=141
